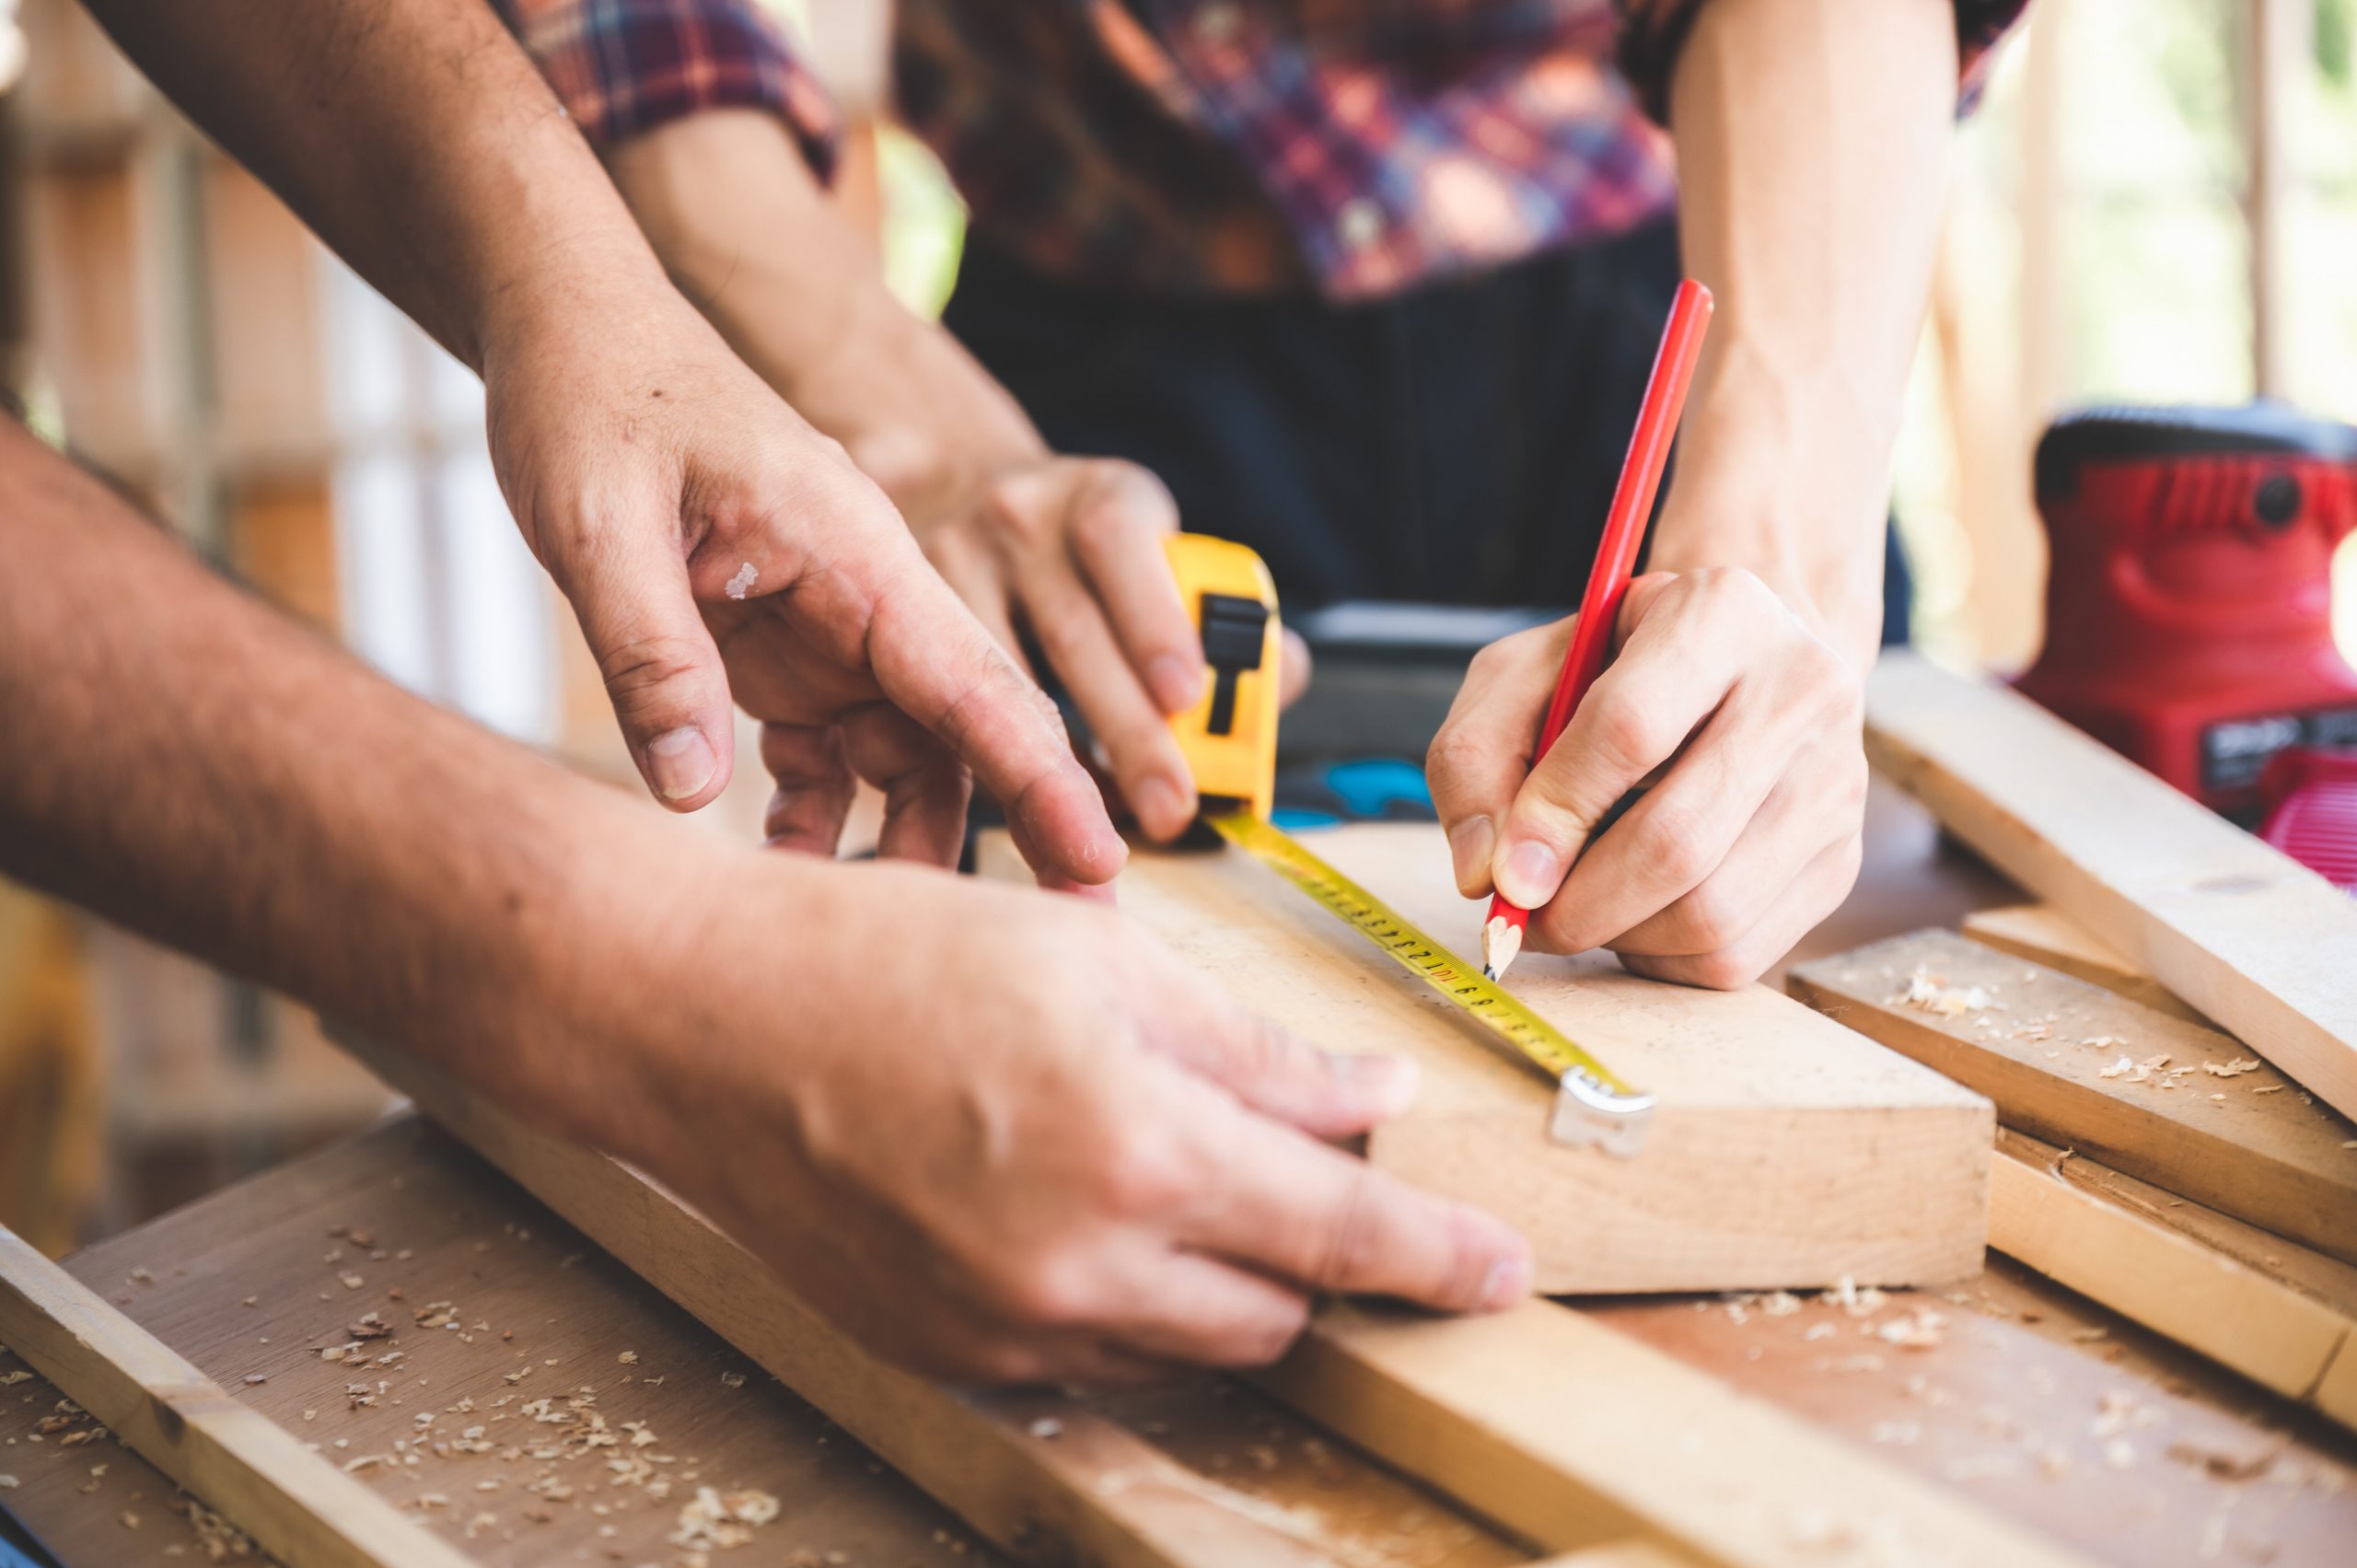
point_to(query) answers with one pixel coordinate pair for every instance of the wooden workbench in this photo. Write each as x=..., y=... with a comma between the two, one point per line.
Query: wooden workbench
x=2033, y=1401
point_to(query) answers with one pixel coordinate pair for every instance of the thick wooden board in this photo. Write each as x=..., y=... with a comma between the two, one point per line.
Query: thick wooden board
x=1787, y=1151
x=296, y=1505
x=2250, y=1145
x=2064, y=1224
x=2243, y=933
x=2044, y=934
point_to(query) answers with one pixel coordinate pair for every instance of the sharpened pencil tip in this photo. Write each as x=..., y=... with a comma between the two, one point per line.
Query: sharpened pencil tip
x=1488, y=973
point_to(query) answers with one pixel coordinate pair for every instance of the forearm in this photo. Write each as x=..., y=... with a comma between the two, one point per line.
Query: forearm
x=416, y=138
x=190, y=764
x=749, y=234
x=1812, y=139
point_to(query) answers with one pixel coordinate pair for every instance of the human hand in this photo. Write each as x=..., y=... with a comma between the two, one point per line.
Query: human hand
x=1071, y=549
x=1747, y=725
x=713, y=543
x=1022, y=1143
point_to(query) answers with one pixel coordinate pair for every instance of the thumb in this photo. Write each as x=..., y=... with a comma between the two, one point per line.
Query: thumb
x=661, y=668
x=1326, y=1094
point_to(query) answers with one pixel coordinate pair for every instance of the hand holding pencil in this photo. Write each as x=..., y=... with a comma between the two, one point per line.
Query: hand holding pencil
x=1616, y=556
x=1727, y=700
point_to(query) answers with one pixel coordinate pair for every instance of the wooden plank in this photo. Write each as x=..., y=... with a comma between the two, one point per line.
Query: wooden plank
x=1561, y=1429
x=2243, y=933
x=1035, y=1472
x=2044, y=934
x=2238, y=1315
x=299, y=1507
x=1564, y=1433
x=1787, y=1151
x=2039, y=1043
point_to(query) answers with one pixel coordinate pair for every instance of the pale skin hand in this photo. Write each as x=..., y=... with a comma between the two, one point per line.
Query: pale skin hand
x=701, y=529
x=1067, y=550
x=1091, y=1168
x=1811, y=142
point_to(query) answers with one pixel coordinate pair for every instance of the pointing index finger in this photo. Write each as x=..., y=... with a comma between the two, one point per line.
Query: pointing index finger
x=937, y=665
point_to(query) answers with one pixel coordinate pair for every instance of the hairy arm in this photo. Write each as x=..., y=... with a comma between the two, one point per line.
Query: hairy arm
x=713, y=544
x=412, y=135
x=198, y=768
x=1115, y=1169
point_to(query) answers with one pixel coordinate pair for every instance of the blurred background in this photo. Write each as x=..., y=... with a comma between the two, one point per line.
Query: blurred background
x=2154, y=200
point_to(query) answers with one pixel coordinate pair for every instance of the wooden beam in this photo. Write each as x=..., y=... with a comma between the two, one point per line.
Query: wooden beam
x=1562, y=1430
x=1567, y=1433
x=2244, y=933
x=1036, y=1473
x=2066, y=1217
x=298, y=1506
x=1787, y=1151
x=2044, y=934
x=2039, y=1044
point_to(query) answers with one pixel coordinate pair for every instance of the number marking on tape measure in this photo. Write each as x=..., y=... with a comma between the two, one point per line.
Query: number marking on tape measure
x=1601, y=1106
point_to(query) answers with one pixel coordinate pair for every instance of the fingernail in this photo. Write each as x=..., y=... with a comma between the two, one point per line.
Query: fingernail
x=1161, y=805
x=1509, y=1282
x=1389, y=1083
x=1529, y=875
x=680, y=762
x=1471, y=844
x=1176, y=681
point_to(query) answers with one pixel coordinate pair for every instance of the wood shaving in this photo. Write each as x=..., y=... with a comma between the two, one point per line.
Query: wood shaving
x=1921, y=1329
x=718, y=1520
x=1931, y=994
x=733, y=1379
x=2233, y=1069
x=220, y=1540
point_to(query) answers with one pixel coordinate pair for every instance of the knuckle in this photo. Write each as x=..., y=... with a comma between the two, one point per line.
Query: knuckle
x=1057, y=1291
x=1674, y=847
x=637, y=668
x=1458, y=751
x=1714, y=917
x=1723, y=971
x=1009, y=510
x=1346, y=1248
x=1007, y=1361
x=1263, y=1344
x=1627, y=731
x=1146, y=1174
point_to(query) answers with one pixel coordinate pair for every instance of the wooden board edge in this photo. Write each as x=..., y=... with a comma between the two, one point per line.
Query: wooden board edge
x=294, y=1503
x=2238, y=1317
x=2115, y=973
x=2308, y=1047
x=1096, y=1494
x=2237, y=1176
x=1566, y=1433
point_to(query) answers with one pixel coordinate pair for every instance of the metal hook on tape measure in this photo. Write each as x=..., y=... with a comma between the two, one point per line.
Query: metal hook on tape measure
x=1590, y=1113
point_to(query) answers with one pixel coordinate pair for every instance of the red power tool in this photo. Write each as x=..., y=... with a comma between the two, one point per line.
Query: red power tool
x=2189, y=610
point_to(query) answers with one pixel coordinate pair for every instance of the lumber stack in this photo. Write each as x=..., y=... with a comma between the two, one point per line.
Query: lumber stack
x=2200, y=1182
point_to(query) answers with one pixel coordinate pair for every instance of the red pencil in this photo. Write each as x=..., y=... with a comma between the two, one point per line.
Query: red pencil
x=1616, y=556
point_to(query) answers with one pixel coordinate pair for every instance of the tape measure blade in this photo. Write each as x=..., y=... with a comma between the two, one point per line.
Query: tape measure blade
x=1592, y=1098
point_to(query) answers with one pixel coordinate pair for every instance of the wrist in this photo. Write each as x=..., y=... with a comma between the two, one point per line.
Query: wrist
x=1785, y=476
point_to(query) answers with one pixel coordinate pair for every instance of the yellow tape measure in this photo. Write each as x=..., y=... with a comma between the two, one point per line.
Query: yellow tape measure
x=1230, y=741
x=1594, y=1105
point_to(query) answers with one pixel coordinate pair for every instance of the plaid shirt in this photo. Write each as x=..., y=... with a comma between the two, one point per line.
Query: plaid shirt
x=1356, y=145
